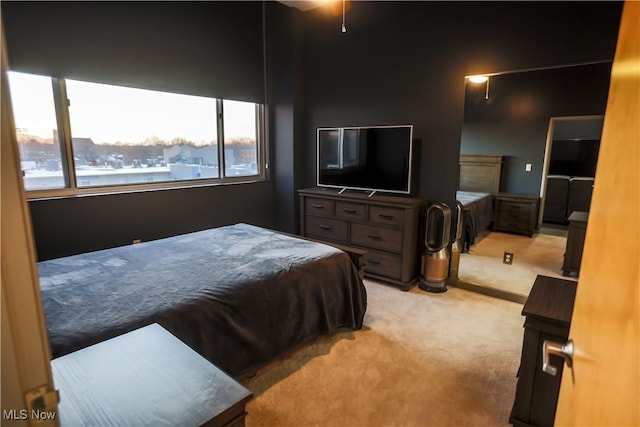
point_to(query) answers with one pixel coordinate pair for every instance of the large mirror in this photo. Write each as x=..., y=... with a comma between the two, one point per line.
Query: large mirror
x=528, y=156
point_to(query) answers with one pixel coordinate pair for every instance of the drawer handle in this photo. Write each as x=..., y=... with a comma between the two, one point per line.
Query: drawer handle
x=385, y=216
x=371, y=236
x=373, y=261
x=317, y=206
x=349, y=210
x=325, y=227
x=515, y=206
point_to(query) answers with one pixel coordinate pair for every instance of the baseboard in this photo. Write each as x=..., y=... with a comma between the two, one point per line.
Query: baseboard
x=486, y=290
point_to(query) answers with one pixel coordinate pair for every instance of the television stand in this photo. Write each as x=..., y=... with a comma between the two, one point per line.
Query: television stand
x=389, y=228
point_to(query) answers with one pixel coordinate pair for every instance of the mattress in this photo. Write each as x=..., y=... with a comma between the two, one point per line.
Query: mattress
x=239, y=295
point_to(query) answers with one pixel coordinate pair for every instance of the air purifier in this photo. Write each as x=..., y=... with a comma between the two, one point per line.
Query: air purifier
x=435, y=258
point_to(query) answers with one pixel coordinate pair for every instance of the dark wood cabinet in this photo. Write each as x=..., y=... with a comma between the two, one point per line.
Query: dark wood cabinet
x=516, y=213
x=575, y=243
x=547, y=312
x=389, y=228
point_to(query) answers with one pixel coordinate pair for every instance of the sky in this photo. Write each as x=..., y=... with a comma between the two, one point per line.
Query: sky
x=108, y=113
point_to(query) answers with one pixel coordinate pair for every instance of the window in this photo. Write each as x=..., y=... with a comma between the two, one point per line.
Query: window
x=37, y=131
x=240, y=138
x=120, y=136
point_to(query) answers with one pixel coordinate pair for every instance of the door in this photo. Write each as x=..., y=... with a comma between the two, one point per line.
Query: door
x=25, y=348
x=602, y=389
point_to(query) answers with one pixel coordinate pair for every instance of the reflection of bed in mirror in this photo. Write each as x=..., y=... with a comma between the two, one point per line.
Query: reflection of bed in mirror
x=479, y=179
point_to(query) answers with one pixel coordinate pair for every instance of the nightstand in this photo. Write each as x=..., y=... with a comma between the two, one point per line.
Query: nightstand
x=146, y=377
x=575, y=243
x=516, y=213
x=547, y=314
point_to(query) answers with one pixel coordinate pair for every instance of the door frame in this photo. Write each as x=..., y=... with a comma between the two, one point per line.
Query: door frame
x=547, y=154
x=26, y=368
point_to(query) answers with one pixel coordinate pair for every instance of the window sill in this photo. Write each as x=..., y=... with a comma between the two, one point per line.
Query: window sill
x=64, y=193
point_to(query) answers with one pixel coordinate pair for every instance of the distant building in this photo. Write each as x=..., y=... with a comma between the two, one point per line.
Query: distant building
x=190, y=155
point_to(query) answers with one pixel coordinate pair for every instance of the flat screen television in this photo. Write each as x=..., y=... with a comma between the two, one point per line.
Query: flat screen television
x=374, y=158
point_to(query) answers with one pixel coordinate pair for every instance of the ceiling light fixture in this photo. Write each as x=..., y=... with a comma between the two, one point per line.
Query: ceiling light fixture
x=344, y=12
x=480, y=79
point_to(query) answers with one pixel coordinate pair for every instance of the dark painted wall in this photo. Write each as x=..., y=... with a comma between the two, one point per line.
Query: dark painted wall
x=203, y=48
x=286, y=78
x=578, y=129
x=405, y=62
x=574, y=158
x=82, y=224
x=514, y=121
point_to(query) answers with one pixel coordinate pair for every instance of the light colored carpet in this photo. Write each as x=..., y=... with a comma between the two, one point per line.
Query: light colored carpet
x=421, y=359
x=540, y=254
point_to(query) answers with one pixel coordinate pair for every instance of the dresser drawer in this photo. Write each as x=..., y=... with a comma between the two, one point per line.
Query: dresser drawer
x=512, y=225
x=350, y=210
x=319, y=206
x=388, y=216
x=370, y=236
x=523, y=216
x=516, y=213
x=384, y=264
x=514, y=206
x=327, y=228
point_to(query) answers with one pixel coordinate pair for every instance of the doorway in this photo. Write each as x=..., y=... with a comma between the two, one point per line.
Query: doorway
x=570, y=161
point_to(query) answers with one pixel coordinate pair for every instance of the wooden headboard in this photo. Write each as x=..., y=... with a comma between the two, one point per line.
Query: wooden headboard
x=480, y=173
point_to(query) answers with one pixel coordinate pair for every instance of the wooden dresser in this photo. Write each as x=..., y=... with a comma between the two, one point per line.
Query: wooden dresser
x=389, y=228
x=547, y=314
x=516, y=213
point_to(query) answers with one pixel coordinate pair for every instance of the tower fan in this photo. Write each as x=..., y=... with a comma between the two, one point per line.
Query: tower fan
x=435, y=257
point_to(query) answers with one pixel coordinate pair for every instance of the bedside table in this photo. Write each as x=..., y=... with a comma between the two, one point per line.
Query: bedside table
x=575, y=243
x=516, y=213
x=145, y=377
x=547, y=314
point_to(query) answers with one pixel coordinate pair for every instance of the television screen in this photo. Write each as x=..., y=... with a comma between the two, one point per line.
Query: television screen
x=376, y=158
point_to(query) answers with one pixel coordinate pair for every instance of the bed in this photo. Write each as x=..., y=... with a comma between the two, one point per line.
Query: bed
x=478, y=210
x=239, y=295
x=478, y=181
